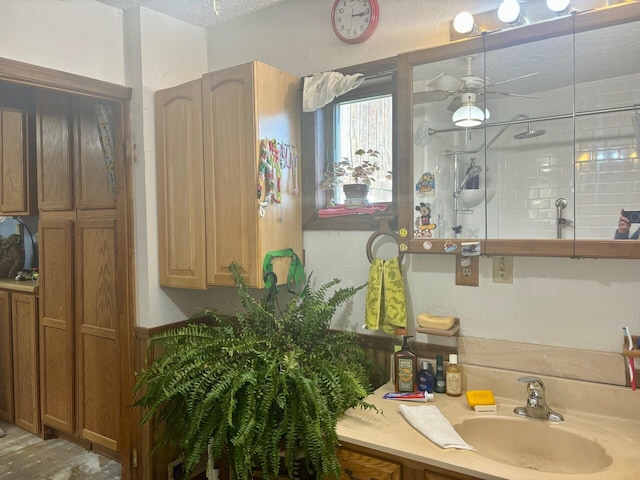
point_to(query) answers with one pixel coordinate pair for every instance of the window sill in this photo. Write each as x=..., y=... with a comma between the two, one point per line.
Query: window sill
x=357, y=221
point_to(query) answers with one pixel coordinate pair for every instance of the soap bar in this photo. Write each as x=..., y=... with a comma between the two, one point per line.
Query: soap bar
x=427, y=320
x=480, y=397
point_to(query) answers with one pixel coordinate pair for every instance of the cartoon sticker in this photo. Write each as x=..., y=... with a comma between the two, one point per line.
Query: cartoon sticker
x=449, y=246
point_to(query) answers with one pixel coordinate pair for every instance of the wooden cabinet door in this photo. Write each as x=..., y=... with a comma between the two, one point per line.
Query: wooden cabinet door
x=17, y=163
x=24, y=316
x=94, y=154
x=56, y=324
x=6, y=359
x=98, y=354
x=359, y=466
x=180, y=179
x=54, y=152
x=230, y=174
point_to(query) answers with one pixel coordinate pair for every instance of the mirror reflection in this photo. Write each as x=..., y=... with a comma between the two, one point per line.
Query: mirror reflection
x=536, y=140
x=607, y=96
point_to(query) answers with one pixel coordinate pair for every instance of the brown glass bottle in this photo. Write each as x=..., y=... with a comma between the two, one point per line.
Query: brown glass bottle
x=406, y=368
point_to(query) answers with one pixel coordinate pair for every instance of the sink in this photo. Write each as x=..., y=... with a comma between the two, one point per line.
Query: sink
x=533, y=444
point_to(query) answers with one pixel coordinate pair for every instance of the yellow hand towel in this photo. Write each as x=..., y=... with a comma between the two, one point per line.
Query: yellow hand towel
x=374, y=295
x=386, y=303
x=395, y=304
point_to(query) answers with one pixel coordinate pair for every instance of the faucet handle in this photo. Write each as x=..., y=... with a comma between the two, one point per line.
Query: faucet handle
x=535, y=386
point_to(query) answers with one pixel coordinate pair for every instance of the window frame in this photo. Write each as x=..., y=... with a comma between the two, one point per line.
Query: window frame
x=318, y=138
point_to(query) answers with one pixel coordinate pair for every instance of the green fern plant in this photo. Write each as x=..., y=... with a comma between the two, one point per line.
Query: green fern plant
x=265, y=386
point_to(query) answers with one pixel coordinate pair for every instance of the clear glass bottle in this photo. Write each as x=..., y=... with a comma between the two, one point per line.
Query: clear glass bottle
x=454, y=377
x=440, y=378
x=426, y=378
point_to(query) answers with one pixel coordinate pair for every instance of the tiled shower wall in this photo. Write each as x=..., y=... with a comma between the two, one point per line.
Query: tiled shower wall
x=532, y=174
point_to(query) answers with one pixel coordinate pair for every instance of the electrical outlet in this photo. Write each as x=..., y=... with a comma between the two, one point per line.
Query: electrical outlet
x=467, y=270
x=503, y=269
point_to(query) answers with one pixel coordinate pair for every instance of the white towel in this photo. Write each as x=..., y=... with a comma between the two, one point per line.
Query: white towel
x=322, y=88
x=430, y=422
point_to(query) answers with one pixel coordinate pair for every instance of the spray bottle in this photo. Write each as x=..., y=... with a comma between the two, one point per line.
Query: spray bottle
x=405, y=368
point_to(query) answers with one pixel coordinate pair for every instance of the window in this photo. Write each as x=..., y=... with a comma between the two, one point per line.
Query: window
x=366, y=125
x=363, y=119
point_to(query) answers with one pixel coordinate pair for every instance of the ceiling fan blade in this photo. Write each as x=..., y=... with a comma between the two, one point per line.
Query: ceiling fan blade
x=445, y=82
x=517, y=78
x=507, y=94
x=455, y=104
x=430, y=96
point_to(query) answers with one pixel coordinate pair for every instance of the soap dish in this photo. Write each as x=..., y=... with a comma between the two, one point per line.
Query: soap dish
x=443, y=333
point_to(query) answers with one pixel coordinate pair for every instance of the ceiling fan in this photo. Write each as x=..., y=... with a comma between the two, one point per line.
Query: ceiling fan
x=445, y=85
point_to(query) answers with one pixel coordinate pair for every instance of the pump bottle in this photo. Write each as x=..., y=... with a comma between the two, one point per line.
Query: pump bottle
x=405, y=366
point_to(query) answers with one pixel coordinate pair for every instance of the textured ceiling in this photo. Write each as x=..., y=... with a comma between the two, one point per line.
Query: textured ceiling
x=197, y=12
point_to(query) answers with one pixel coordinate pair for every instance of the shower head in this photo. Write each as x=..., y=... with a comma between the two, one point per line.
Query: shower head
x=529, y=133
x=473, y=171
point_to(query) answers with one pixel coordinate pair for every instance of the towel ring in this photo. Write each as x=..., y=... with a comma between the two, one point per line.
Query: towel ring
x=383, y=229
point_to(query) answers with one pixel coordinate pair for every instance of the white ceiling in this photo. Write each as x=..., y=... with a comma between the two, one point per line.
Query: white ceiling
x=197, y=12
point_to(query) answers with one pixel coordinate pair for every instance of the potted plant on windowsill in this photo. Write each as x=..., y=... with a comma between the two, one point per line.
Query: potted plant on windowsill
x=354, y=176
x=265, y=388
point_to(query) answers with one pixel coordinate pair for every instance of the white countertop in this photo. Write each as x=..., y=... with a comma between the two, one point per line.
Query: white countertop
x=390, y=433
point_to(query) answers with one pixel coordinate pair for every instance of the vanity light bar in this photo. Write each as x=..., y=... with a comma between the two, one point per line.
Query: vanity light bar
x=514, y=13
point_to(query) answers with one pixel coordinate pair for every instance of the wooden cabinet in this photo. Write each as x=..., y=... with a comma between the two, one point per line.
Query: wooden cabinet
x=17, y=163
x=362, y=466
x=180, y=170
x=209, y=136
x=19, y=389
x=24, y=319
x=6, y=359
x=361, y=463
x=81, y=269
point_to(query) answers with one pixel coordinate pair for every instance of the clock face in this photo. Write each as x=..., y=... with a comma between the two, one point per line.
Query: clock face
x=354, y=21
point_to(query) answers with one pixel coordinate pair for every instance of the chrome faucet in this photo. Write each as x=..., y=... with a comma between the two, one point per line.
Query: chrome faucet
x=536, y=406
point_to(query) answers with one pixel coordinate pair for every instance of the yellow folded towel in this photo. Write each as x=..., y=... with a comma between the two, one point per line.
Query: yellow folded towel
x=386, y=305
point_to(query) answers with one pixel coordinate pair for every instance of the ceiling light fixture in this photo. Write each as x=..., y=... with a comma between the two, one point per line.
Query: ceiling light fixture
x=468, y=115
x=559, y=6
x=509, y=12
x=463, y=23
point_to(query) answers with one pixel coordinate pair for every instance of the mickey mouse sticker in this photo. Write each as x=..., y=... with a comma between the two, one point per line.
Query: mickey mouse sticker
x=423, y=221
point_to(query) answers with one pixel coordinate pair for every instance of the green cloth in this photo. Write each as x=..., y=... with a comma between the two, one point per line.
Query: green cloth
x=386, y=304
x=295, y=278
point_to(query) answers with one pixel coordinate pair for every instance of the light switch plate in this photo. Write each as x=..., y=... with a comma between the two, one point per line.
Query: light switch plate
x=467, y=270
x=503, y=269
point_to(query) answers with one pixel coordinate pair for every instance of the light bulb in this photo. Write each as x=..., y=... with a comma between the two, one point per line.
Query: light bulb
x=509, y=11
x=558, y=6
x=463, y=23
x=468, y=115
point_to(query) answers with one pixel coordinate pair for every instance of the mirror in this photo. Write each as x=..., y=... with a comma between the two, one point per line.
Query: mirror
x=555, y=158
x=448, y=164
x=607, y=93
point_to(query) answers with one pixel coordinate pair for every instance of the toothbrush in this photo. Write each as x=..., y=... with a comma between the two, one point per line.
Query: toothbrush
x=632, y=366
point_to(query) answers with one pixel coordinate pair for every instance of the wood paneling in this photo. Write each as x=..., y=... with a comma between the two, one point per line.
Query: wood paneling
x=56, y=324
x=24, y=317
x=96, y=335
x=54, y=146
x=180, y=172
x=6, y=359
x=17, y=163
